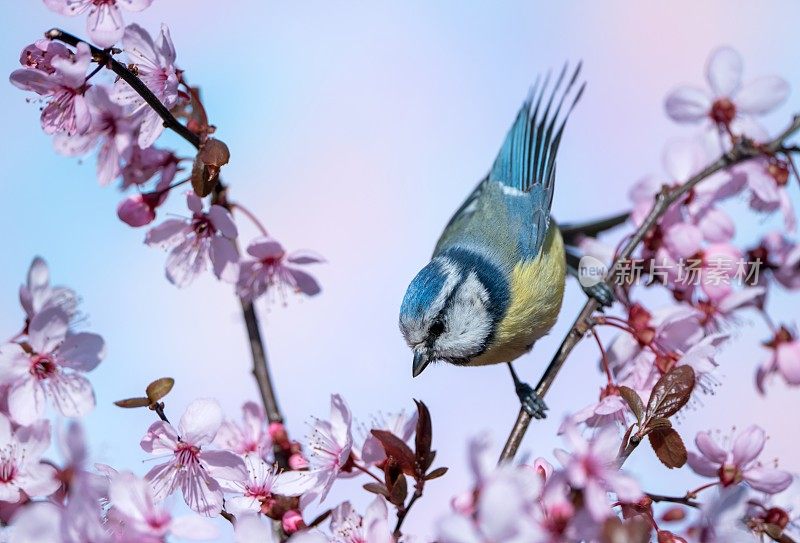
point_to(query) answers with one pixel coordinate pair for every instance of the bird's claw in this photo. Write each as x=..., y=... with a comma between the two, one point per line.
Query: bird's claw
x=601, y=293
x=531, y=402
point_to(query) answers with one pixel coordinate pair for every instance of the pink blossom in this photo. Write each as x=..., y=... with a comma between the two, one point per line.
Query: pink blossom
x=67, y=109
x=21, y=468
x=729, y=104
x=40, y=54
x=104, y=23
x=140, y=209
x=192, y=465
x=37, y=294
x=400, y=424
x=193, y=242
x=767, y=180
x=111, y=128
x=139, y=518
x=39, y=522
x=784, y=359
x=331, y=443
x=592, y=467
x=501, y=506
x=781, y=256
x=738, y=462
x=249, y=436
x=721, y=309
x=50, y=365
x=272, y=268
x=155, y=65
x=347, y=526
x=144, y=164
x=262, y=483
x=609, y=409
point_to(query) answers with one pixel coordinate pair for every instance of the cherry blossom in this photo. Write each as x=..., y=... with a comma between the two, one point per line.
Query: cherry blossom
x=347, y=526
x=21, y=468
x=399, y=424
x=262, y=483
x=67, y=109
x=37, y=294
x=111, y=128
x=140, y=209
x=193, y=242
x=738, y=462
x=104, y=23
x=730, y=104
x=155, y=66
x=192, y=465
x=609, y=409
x=331, y=443
x=784, y=359
x=40, y=54
x=272, y=268
x=592, y=467
x=501, y=506
x=144, y=164
x=780, y=256
x=50, y=366
x=138, y=517
x=767, y=180
x=249, y=436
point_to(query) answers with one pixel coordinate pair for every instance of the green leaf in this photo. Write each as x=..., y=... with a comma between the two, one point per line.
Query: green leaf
x=131, y=403
x=159, y=388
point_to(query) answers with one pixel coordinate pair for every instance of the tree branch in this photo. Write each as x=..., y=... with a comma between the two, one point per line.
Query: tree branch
x=260, y=363
x=742, y=151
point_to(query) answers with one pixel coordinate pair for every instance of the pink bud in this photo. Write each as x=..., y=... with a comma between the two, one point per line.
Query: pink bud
x=136, y=211
x=298, y=462
x=292, y=521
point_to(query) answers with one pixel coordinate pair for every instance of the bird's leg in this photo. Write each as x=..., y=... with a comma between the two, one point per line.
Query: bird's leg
x=530, y=400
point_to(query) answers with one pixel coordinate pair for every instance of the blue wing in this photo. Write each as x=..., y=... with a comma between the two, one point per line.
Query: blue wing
x=526, y=162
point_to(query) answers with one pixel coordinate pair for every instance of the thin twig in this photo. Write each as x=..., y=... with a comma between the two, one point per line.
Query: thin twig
x=742, y=151
x=674, y=499
x=260, y=362
x=401, y=514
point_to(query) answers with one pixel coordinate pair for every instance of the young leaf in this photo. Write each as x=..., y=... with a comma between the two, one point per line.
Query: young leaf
x=424, y=435
x=399, y=491
x=397, y=449
x=435, y=474
x=376, y=488
x=159, y=388
x=130, y=403
x=633, y=400
x=671, y=392
x=669, y=447
x=657, y=423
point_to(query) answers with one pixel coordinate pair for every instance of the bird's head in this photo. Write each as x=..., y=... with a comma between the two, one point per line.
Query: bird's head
x=451, y=309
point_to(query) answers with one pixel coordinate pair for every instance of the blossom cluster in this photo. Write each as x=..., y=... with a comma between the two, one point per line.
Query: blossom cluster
x=248, y=470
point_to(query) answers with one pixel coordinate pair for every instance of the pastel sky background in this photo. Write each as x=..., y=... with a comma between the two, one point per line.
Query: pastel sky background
x=355, y=130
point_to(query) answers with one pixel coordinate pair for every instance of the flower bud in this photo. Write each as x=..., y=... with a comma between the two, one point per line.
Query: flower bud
x=292, y=521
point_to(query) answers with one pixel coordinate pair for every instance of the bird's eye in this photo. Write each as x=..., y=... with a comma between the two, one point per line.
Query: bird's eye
x=436, y=328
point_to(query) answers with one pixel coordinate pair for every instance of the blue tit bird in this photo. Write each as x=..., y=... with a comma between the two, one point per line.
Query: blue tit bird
x=495, y=283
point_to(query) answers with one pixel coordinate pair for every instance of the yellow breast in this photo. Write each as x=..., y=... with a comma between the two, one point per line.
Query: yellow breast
x=536, y=293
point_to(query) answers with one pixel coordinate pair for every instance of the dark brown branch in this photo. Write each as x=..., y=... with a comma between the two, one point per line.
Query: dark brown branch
x=742, y=151
x=401, y=514
x=260, y=362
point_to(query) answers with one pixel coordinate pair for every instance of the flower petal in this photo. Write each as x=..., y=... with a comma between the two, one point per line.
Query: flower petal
x=762, y=95
x=724, y=71
x=82, y=351
x=200, y=421
x=768, y=480
x=687, y=104
x=748, y=445
x=709, y=448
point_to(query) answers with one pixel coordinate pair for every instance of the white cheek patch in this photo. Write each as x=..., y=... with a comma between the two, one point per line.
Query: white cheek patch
x=417, y=332
x=467, y=321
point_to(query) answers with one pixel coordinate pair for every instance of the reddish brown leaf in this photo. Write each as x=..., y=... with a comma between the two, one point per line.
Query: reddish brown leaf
x=656, y=424
x=669, y=447
x=674, y=514
x=633, y=400
x=424, y=437
x=397, y=449
x=132, y=402
x=214, y=153
x=671, y=392
x=159, y=388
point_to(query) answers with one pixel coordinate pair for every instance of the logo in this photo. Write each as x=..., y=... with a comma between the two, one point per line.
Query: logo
x=591, y=271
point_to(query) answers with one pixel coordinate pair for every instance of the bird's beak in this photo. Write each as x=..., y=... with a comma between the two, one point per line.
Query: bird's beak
x=421, y=362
